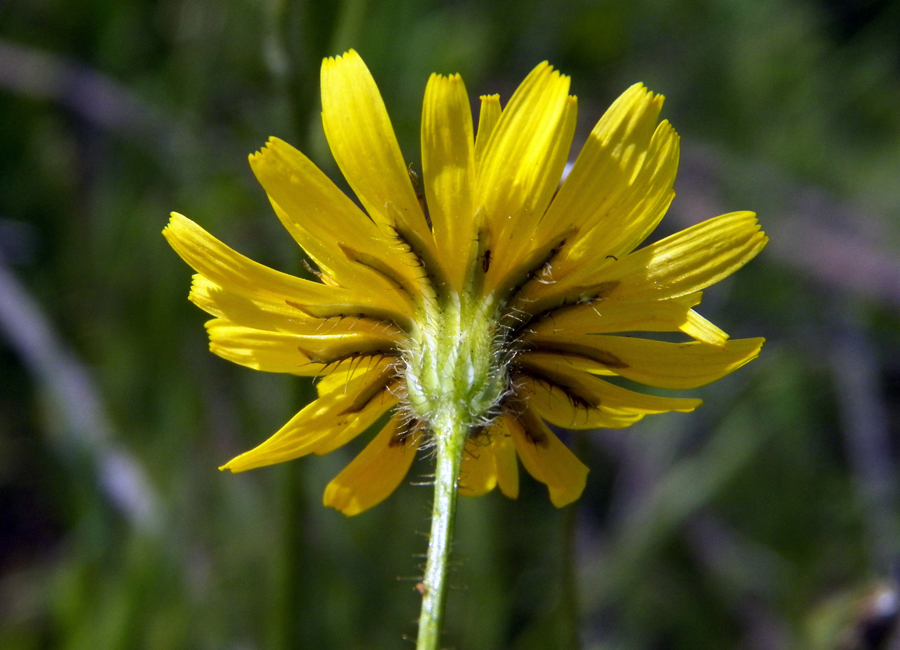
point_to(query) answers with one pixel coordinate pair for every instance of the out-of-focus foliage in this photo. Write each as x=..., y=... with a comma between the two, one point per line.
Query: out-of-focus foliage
x=766, y=520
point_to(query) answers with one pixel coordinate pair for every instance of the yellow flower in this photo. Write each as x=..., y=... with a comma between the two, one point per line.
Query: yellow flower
x=494, y=293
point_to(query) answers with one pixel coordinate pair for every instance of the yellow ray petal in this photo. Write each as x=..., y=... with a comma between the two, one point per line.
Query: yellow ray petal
x=513, y=172
x=226, y=267
x=278, y=316
x=565, y=409
x=683, y=263
x=318, y=437
x=362, y=140
x=634, y=161
x=649, y=197
x=448, y=164
x=298, y=354
x=262, y=311
x=324, y=435
x=700, y=329
x=478, y=472
x=505, y=458
x=322, y=219
x=341, y=373
x=548, y=460
x=568, y=375
x=259, y=349
x=629, y=216
x=365, y=398
x=353, y=424
x=603, y=317
x=688, y=261
x=489, y=461
x=248, y=279
x=512, y=237
x=525, y=156
x=487, y=120
x=373, y=475
x=655, y=363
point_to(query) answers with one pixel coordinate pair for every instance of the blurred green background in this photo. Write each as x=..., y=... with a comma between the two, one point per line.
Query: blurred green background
x=765, y=520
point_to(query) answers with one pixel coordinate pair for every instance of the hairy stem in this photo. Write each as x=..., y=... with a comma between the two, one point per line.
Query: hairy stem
x=450, y=432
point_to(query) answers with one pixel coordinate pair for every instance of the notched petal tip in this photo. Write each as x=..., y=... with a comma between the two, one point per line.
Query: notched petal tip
x=176, y=227
x=754, y=231
x=272, y=145
x=633, y=112
x=347, y=56
x=640, y=92
x=168, y=226
x=265, y=149
x=437, y=77
x=230, y=466
x=544, y=67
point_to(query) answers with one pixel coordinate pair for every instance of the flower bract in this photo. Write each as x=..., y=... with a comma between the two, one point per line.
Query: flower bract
x=492, y=289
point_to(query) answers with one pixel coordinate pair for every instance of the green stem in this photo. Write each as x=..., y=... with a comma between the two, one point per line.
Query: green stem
x=450, y=433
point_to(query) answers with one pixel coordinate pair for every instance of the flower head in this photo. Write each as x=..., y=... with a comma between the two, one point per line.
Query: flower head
x=494, y=294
